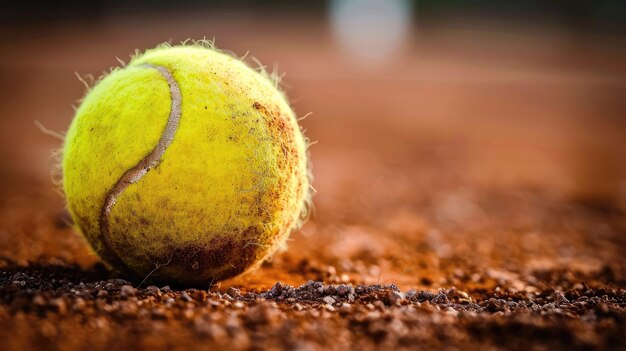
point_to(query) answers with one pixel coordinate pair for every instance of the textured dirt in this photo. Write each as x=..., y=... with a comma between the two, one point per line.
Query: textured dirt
x=479, y=294
x=65, y=307
x=468, y=197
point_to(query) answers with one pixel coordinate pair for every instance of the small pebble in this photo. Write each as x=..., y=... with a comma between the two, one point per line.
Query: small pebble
x=127, y=291
x=328, y=300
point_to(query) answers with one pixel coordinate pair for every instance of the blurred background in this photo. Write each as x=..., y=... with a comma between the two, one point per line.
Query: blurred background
x=429, y=117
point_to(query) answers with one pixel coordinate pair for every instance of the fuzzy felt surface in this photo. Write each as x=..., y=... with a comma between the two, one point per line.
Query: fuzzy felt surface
x=226, y=192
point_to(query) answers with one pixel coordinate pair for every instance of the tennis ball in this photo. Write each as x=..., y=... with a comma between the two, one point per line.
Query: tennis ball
x=186, y=165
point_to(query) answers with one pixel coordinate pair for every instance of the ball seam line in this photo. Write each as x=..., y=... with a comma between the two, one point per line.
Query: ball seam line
x=151, y=160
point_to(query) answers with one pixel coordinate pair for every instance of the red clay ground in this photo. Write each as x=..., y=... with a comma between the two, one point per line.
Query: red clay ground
x=470, y=195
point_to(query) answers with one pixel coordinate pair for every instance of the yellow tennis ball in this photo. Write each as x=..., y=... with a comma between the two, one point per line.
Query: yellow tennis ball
x=186, y=165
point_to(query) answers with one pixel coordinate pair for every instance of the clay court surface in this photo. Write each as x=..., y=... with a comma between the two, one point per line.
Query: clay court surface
x=470, y=194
